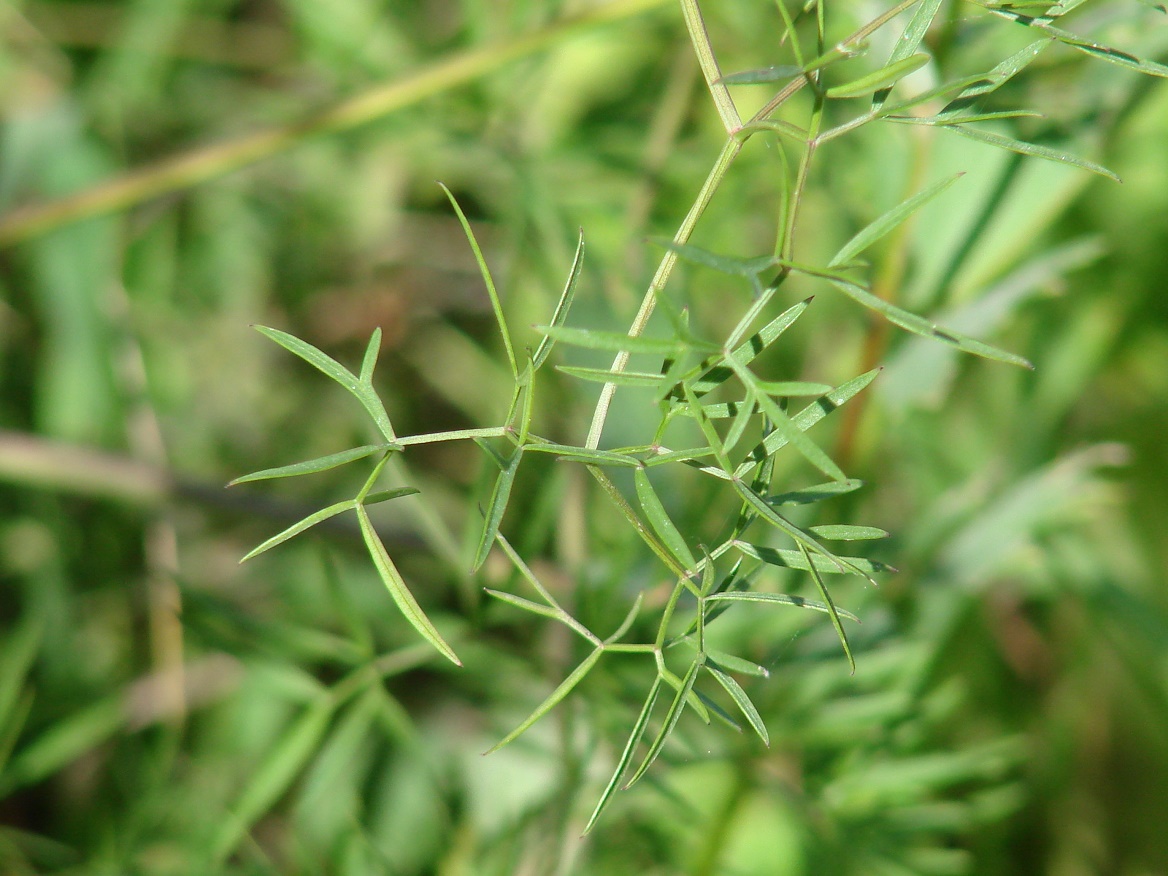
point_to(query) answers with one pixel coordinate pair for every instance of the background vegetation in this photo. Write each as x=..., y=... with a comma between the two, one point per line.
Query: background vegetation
x=164, y=710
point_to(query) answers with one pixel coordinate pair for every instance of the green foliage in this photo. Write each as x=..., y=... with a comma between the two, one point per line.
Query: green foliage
x=644, y=492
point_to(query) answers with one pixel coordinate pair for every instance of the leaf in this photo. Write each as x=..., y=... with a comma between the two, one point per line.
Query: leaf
x=918, y=325
x=396, y=585
x=832, y=611
x=848, y=533
x=888, y=221
x=560, y=315
x=780, y=599
x=777, y=73
x=496, y=305
x=570, y=453
x=300, y=526
x=817, y=493
x=387, y=495
x=730, y=663
x=620, y=378
x=329, y=366
x=883, y=78
x=561, y=691
x=732, y=265
x=743, y=702
x=1037, y=151
x=794, y=560
x=311, y=466
x=369, y=360
x=671, y=719
x=659, y=519
x=807, y=418
x=591, y=339
x=627, y=754
x=909, y=40
x=496, y=508
x=525, y=604
x=792, y=388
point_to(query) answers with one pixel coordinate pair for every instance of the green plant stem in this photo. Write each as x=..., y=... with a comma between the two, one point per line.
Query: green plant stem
x=210, y=162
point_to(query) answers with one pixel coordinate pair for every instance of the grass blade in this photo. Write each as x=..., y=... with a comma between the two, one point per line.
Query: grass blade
x=300, y=526
x=396, y=585
x=627, y=754
x=561, y=691
x=743, y=702
x=311, y=466
x=560, y=314
x=485, y=271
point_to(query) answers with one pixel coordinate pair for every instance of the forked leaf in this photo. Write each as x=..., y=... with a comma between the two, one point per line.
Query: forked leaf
x=627, y=753
x=671, y=718
x=888, y=221
x=848, y=532
x=311, y=466
x=1024, y=148
x=485, y=271
x=396, y=585
x=794, y=560
x=885, y=77
x=496, y=507
x=659, y=519
x=832, y=611
x=781, y=599
x=299, y=527
x=329, y=366
x=561, y=691
x=560, y=314
x=743, y=702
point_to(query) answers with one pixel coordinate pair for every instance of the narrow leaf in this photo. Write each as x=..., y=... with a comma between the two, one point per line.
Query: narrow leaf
x=299, y=527
x=620, y=378
x=525, y=604
x=496, y=507
x=496, y=305
x=560, y=315
x=552, y=700
x=909, y=41
x=794, y=560
x=743, y=702
x=730, y=663
x=311, y=466
x=569, y=453
x=590, y=339
x=890, y=220
x=387, y=495
x=627, y=754
x=671, y=718
x=831, y=610
x=817, y=493
x=780, y=599
x=659, y=519
x=369, y=361
x=1034, y=149
x=883, y=78
x=396, y=585
x=778, y=73
x=848, y=533
x=732, y=265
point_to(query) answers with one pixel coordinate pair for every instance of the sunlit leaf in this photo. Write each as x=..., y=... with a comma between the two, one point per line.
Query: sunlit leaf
x=743, y=702
x=311, y=466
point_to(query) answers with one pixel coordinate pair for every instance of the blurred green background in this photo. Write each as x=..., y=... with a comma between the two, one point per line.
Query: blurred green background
x=166, y=711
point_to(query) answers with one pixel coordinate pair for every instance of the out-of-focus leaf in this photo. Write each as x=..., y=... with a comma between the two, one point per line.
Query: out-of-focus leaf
x=776, y=73
x=780, y=599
